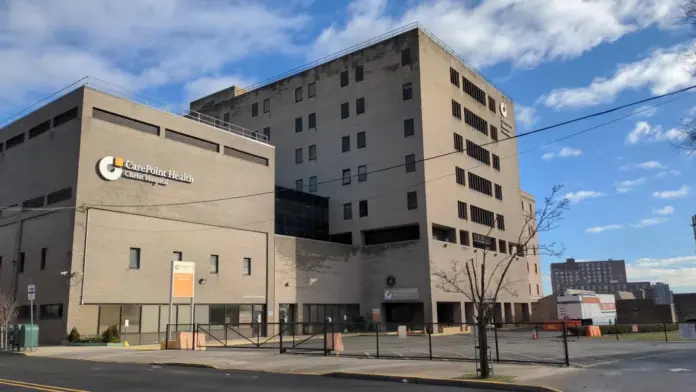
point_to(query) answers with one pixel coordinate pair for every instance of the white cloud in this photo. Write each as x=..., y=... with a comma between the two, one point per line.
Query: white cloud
x=666, y=173
x=647, y=222
x=678, y=272
x=575, y=197
x=525, y=33
x=628, y=185
x=564, y=152
x=662, y=71
x=666, y=210
x=681, y=192
x=207, y=85
x=648, y=262
x=599, y=229
x=526, y=115
x=136, y=44
x=649, y=165
x=645, y=111
x=646, y=132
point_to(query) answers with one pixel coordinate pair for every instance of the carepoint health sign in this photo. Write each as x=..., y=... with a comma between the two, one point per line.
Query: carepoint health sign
x=112, y=168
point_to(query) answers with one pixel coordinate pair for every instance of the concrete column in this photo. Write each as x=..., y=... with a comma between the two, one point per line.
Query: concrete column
x=509, y=312
x=469, y=312
x=526, y=313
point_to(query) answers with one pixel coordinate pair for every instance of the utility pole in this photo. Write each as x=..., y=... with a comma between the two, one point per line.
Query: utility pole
x=693, y=225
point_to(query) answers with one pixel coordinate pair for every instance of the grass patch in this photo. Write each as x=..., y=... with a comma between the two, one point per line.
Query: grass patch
x=494, y=378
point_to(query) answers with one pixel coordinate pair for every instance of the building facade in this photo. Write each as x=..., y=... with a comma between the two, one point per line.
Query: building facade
x=607, y=276
x=410, y=146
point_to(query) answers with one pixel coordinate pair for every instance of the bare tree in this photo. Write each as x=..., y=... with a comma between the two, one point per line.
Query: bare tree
x=482, y=278
x=688, y=140
x=9, y=311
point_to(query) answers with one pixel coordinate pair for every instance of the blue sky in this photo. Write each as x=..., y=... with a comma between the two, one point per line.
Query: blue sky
x=632, y=192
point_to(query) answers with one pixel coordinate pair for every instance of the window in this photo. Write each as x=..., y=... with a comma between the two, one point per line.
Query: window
x=494, y=133
x=313, y=152
x=226, y=117
x=125, y=121
x=312, y=120
x=459, y=173
x=539, y=291
x=362, y=173
x=344, y=78
x=362, y=207
x=178, y=256
x=58, y=196
x=456, y=109
x=409, y=129
x=412, y=200
x=247, y=266
x=35, y=202
x=496, y=162
x=359, y=73
x=475, y=121
x=313, y=184
x=299, y=185
x=214, y=266
x=346, y=176
x=500, y=222
x=43, y=258
x=39, y=129
x=502, y=246
x=491, y=104
x=530, y=288
x=51, y=312
x=345, y=144
x=347, y=211
x=267, y=105
x=464, y=238
x=64, y=117
x=267, y=133
x=483, y=242
x=191, y=140
x=407, y=91
x=480, y=184
x=410, y=163
x=298, y=124
x=536, y=269
x=362, y=139
x=232, y=152
x=298, y=94
x=458, y=142
x=22, y=260
x=360, y=106
x=498, y=192
x=134, y=258
x=461, y=209
x=454, y=77
x=481, y=216
x=14, y=141
x=254, y=109
x=477, y=152
x=474, y=91
x=405, y=57
x=345, y=110
x=298, y=155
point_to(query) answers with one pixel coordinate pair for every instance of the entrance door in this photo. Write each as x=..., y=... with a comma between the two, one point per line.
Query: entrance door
x=404, y=313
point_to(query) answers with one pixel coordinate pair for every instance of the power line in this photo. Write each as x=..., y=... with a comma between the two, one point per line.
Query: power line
x=411, y=186
x=520, y=135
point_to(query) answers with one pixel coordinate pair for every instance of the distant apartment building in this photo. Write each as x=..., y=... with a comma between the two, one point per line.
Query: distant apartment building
x=661, y=294
x=410, y=147
x=606, y=276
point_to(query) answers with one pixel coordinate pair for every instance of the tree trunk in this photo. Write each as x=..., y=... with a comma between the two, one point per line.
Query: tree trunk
x=483, y=349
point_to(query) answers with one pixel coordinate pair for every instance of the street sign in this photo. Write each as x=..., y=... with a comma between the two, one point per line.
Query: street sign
x=31, y=289
x=126, y=323
x=32, y=296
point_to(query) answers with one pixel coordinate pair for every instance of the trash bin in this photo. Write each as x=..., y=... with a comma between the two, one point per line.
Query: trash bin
x=28, y=336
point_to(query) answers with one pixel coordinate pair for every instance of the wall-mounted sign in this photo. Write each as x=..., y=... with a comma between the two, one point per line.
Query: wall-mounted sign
x=183, y=274
x=113, y=168
x=402, y=294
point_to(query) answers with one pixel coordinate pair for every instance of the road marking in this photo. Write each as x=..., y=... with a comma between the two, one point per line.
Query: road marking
x=38, y=387
x=598, y=363
x=648, y=356
x=368, y=354
x=679, y=370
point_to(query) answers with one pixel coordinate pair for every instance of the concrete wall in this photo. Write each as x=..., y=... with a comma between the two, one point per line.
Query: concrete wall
x=685, y=306
x=636, y=311
x=546, y=309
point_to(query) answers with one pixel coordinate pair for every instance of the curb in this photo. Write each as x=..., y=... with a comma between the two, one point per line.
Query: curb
x=185, y=364
x=23, y=353
x=493, y=385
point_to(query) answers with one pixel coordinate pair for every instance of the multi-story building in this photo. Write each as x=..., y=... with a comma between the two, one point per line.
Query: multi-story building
x=606, y=277
x=410, y=146
x=661, y=293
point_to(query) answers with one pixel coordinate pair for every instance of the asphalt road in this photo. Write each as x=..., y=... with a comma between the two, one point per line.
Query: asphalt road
x=663, y=370
x=64, y=375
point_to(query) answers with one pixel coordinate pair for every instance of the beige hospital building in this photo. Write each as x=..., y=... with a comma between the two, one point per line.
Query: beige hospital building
x=334, y=191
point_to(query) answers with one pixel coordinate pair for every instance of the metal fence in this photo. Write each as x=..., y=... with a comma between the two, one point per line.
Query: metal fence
x=544, y=343
x=634, y=332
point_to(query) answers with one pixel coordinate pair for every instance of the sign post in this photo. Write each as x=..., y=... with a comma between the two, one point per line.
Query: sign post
x=31, y=292
x=182, y=285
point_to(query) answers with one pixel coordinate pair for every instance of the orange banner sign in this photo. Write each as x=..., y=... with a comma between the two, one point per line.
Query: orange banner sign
x=183, y=279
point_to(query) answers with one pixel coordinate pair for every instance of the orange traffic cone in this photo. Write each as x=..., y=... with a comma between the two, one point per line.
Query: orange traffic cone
x=534, y=334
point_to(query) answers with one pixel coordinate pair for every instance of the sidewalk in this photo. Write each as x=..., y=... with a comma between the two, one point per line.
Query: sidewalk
x=271, y=361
